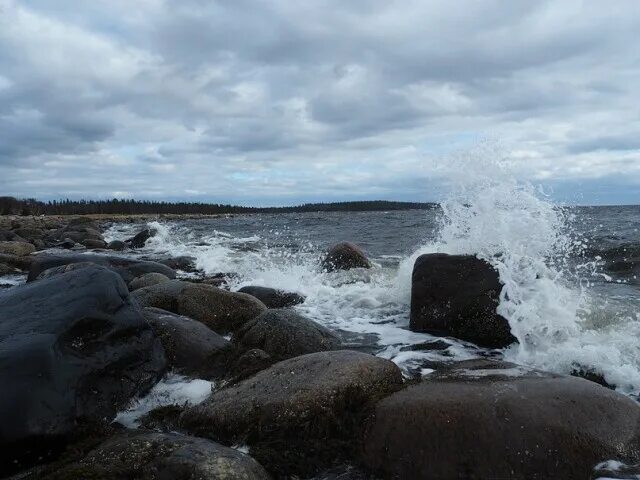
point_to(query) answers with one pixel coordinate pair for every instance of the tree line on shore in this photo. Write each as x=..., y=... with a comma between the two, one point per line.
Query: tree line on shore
x=14, y=206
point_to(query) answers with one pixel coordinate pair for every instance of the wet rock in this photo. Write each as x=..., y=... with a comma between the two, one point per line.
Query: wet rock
x=140, y=238
x=220, y=310
x=127, y=268
x=147, y=280
x=19, y=249
x=66, y=244
x=299, y=414
x=249, y=363
x=149, y=456
x=285, y=334
x=191, y=347
x=94, y=243
x=6, y=269
x=485, y=419
x=14, y=261
x=183, y=262
x=345, y=256
x=457, y=295
x=273, y=298
x=74, y=348
x=117, y=245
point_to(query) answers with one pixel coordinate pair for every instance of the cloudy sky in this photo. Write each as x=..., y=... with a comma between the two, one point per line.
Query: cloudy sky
x=281, y=101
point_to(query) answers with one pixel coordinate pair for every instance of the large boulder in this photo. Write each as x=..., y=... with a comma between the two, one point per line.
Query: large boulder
x=345, y=256
x=220, y=310
x=299, y=414
x=147, y=280
x=284, y=333
x=190, y=346
x=19, y=249
x=156, y=456
x=74, y=348
x=273, y=298
x=486, y=419
x=457, y=295
x=127, y=268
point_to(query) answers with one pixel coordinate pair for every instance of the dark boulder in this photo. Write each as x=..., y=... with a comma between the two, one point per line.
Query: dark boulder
x=127, y=268
x=147, y=280
x=19, y=249
x=345, y=256
x=21, y=263
x=484, y=419
x=273, y=298
x=220, y=310
x=284, y=334
x=66, y=244
x=300, y=414
x=191, y=347
x=249, y=363
x=159, y=456
x=117, y=245
x=74, y=348
x=183, y=262
x=457, y=295
x=9, y=236
x=29, y=233
x=94, y=243
x=140, y=238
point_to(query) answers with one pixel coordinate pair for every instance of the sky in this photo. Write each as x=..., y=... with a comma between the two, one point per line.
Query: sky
x=280, y=102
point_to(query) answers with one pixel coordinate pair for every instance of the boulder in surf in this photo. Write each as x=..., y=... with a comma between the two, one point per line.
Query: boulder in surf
x=344, y=256
x=272, y=297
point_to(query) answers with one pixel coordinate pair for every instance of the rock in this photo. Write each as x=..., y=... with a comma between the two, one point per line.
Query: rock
x=19, y=249
x=220, y=310
x=9, y=236
x=14, y=261
x=67, y=244
x=284, y=334
x=82, y=237
x=29, y=233
x=147, y=280
x=140, y=238
x=273, y=298
x=6, y=269
x=150, y=455
x=74, y=348
x=127, y=268
x=94, y=243
x=250, y=363
x=117, y=245
x=345, y=256
x=191, y=347
x=299, y=414
x=485, y=419
x=81, y=222
x=457, y=295
x=183, y=262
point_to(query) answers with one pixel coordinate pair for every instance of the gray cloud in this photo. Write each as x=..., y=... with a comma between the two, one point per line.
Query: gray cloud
x=288, y=101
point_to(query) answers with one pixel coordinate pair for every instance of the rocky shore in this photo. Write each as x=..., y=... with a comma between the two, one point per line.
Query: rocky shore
x=91, y=329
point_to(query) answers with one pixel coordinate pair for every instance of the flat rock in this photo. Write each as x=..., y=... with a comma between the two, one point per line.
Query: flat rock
x=484, y=419
x=298, y=414
x=220, y=310
x=457, y=295
x=74, y=348
x=284, y=333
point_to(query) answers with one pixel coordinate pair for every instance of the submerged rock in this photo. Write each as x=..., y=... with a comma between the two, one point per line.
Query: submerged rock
x=485, y=419
x=345, y=256
x=299, y=414
x=273, y=298
x=147, y=280
x=458, y=295
x=191, y=347
x=284, y=334
x=19, y=249
x=127, y=268
x=220, y=310
x=148, y=455
x=73, y=348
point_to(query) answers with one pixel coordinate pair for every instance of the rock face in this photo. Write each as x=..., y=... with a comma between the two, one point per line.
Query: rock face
x=457, y=295
x=73, y=348
x=150, y=456
x=298, y=414
x=495, y=420
x=127, y=268
x=19, y=249
x=345, y=256
x=191, y=347
x=220, y=310
x=147, y=280
x=273, y=298
x=285, y=334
